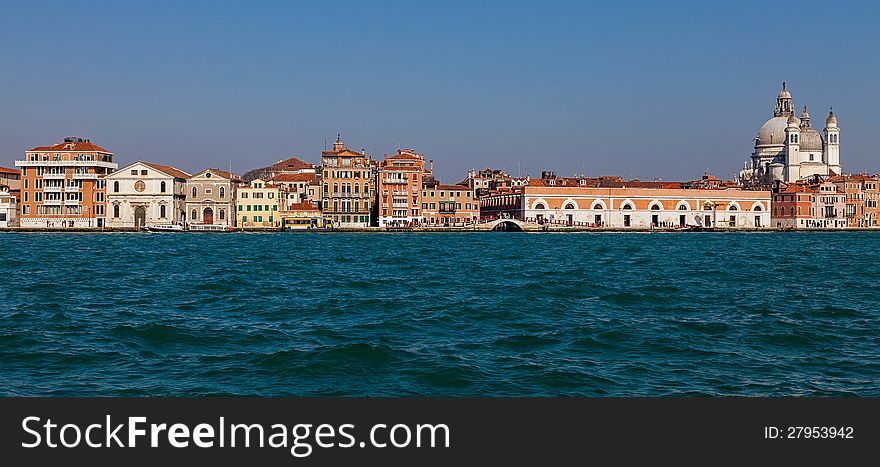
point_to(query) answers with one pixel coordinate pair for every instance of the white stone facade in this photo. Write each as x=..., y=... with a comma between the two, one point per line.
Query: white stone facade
x=144, y=195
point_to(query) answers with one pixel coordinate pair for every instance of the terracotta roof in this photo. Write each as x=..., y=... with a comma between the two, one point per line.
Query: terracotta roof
x=167, y=169
x=302, y=207
x=4, y=170
x=291, y=164
x=452, y=188
x=72, y=147
x=294, y=177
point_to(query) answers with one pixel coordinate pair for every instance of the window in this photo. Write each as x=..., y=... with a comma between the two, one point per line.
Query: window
x=540, y=206
x=116, y=211
x=194, y=215
x=162, y=210
x=655, y=207
x=222, y=214
x=162, y=189
x=208, y=191
x=627, y=207
x=116, y=189
x=239, y=208
x=134, y=172
x=194, y=192
x=222, y=194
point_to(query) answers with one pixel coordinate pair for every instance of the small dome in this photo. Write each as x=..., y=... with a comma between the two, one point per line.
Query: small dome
x=805, y=116
x=784, y=94
x=810, y=139
x=831, y=121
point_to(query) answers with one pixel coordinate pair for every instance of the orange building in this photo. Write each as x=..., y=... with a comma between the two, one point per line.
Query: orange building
x=62, y=185
x=861, y=198
x=400, y=179
x=349, y=186
x=444, y=205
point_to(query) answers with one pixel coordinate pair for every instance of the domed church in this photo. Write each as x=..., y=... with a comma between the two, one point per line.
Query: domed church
x=788, y=148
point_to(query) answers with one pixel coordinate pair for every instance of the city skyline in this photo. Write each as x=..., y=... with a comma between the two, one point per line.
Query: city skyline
x=578, y=89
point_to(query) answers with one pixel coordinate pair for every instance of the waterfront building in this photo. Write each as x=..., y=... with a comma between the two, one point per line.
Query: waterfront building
x=788, y=149
x=630, y=207
x=297, y=188
x=348, y=186
x=8, y=208
x=62, y=185
x=257, y=205
x=452, y=205
x=10, y=178
x=861, y=198
x=210, y=197
x=808, y=206
x=144, y=194
x=400, y=179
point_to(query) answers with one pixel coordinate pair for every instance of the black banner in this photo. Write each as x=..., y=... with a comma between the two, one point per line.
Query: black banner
x=437, y=431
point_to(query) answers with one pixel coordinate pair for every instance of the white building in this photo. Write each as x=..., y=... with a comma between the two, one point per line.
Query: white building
x=145, y=194
x=8, y=209
x=788, y=149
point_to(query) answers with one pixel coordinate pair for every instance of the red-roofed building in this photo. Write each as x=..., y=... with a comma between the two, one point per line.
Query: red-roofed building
x=62, y=185
x=349, y=186
x=399, y=183
x=444, y=205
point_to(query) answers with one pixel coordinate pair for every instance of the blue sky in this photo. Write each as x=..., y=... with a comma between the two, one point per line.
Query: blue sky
x=640, y=89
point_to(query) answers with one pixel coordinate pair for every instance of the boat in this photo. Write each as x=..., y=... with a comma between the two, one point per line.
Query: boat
x=165, y=228
x=210, y=228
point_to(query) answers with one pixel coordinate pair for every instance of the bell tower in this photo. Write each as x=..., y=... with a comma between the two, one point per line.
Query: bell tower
x=832, y=143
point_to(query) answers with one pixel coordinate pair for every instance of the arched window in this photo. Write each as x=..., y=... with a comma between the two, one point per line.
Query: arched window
x=162, y=190
x=162, y=208
x=116, y=189
x=569, y=206
x=627, y=207
x=222, y=214
x=758, y=208
x=732, y=208
x=682, y=207
x=655, y=207
x=597, y=206
x=194, y=192
x=540, y=206
x=116, y=209
x=195, y=214
x=222, y=195
x=325, y=188
x=335, y=188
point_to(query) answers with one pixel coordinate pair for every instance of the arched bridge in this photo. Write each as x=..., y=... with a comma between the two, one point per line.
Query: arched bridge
x=507, y=225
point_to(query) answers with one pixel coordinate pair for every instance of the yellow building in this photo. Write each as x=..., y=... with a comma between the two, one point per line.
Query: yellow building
x=256, y=205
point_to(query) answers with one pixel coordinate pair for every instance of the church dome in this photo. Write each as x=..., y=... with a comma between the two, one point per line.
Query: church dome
x=810, y=139
x=772, y=132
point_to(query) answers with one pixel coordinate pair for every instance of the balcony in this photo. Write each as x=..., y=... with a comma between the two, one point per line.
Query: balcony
x=49, y=176
x=107, y=165
x=85, y=176
x=52, y=202
x=71, y=202
x=53, y=189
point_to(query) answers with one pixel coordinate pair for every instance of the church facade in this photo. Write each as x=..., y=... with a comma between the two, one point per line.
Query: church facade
x=788, y=148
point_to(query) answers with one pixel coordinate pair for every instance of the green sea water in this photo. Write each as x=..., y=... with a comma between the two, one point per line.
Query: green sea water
x=440, y=314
